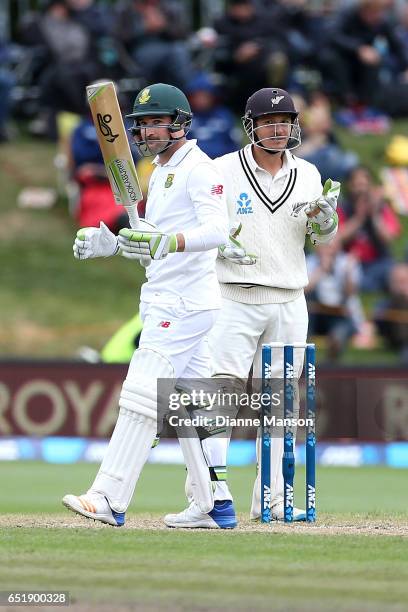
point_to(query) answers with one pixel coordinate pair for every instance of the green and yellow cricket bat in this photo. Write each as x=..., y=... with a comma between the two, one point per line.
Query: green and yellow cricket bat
x=115, y=148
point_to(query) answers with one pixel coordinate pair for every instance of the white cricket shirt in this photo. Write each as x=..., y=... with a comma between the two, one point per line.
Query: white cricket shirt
x=263, y=204
x=185, y=194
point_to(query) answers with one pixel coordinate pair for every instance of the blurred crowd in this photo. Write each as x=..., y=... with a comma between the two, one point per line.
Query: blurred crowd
x=345, y=62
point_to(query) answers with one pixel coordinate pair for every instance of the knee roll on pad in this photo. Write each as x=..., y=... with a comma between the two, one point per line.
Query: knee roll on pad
x=139, y=390
x=138, y=399
x=149, y=365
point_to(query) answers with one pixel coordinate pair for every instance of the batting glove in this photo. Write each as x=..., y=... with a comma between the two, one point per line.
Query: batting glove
x=135, y=244
x=93, y=242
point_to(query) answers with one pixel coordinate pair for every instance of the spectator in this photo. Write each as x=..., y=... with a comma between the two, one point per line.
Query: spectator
x=214, y=124
x=7, y=82
x=95, y=18
x=364, y=54
x=367, y=227
x=68, y=65
x=320, y=145
x=202, y=43
x=251, y=51
x=154, y=33
x=391, y=315
x=295, y=18
x=334, y=306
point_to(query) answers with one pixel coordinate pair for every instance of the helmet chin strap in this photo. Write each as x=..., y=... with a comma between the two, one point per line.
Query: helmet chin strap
x=173, y=138
x=269, y=151
x=146, y=151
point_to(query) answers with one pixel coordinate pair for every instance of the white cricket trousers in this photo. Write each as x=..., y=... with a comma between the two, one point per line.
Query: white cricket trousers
x=235, y=344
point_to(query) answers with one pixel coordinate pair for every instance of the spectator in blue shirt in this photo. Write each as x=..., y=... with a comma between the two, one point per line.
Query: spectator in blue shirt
x=214, y=125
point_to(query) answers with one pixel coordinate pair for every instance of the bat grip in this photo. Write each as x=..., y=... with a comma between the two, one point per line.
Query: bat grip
x=134, y=224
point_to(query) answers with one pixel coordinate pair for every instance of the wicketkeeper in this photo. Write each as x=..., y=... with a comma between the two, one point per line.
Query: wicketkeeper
x=275, y=199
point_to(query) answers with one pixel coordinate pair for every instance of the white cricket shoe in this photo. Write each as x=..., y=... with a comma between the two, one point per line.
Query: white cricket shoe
x=94, y=506
x=278, y=513
x=222, y=516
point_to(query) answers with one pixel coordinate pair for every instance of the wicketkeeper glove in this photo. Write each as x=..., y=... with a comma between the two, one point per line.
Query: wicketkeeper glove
x=322, y=227
x=322, y=209
x=234, y=251
x=326, y=205
x=319, y=233
x=135, y=244
x=322, y=221
x=93, y=242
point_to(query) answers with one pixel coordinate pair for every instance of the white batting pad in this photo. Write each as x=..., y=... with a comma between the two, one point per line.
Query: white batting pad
x=135, y=429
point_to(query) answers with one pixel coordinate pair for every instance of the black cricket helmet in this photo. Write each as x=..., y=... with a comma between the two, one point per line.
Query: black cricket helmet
x=271, y=101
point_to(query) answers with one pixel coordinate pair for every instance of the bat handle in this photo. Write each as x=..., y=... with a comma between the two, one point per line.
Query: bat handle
x=134, y=224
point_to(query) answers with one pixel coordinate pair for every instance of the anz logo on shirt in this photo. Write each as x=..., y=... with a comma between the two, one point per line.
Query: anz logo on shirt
x=244, y=205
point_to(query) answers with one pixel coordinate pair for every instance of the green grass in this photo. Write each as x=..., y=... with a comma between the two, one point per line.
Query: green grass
x=196, y=571
x=142, y=569
x=31, y=487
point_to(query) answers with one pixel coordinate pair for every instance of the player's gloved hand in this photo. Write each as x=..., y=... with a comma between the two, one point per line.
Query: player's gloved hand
x=325, y=207
x=146, y=241
x=93, y=242
x=320, y=233
x=234, y=251
x=323, y=220
x=322, y=209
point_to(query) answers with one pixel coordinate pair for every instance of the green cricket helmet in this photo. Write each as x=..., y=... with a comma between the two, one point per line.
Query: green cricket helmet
x=162, y=99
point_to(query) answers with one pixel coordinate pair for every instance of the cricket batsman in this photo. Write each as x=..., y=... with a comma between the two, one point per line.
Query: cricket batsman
x=277, y=199
x=186, y=220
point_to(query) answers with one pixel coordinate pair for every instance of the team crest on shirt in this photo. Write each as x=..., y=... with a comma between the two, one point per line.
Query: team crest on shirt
x=169, y=180
x=244, y=205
